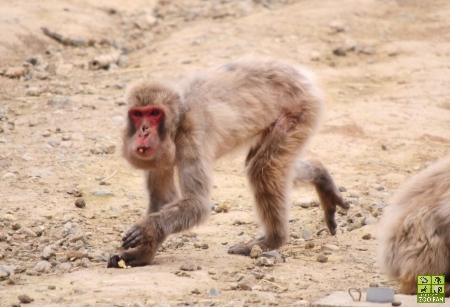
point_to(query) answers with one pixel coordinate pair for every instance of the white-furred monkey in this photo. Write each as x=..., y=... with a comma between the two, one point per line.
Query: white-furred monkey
x=268, y=105
x=414, y=231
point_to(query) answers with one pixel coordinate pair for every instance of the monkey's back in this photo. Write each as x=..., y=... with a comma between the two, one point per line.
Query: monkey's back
x=230, y=95
x=414, y=232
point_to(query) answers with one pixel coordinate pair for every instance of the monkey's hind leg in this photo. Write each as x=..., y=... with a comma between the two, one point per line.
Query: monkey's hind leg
x=269, y=168
x=313, y=172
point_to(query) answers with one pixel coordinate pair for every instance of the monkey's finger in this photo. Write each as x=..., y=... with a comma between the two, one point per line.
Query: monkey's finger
x=130, y=232
x=343, y=204
x=331, y=224
x=133, y=241
x=113, y=261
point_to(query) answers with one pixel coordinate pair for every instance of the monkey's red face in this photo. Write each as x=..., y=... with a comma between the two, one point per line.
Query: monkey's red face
x=148, y=123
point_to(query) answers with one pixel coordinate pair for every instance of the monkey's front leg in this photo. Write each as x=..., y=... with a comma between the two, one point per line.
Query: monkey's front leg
x=143, y=239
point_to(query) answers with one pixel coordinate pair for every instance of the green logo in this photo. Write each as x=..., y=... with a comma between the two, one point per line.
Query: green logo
x=430, y=289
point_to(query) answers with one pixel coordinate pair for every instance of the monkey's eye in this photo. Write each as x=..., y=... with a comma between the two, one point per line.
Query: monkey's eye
x=154, y=113
x=137, y=113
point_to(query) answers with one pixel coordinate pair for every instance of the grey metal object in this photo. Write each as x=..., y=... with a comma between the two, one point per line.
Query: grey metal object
x=380, y=295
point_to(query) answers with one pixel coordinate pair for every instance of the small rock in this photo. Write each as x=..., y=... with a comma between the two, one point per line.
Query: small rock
x=273, y=255
x=139, y=303
x=123, y=61
x=339, y=51
x=16, y=226
x=370, y=220
x=48, y=252
x=212, y=272
x=367, y=236
x=353, y=194
x=337, y=26
x=9, y=175
x=263, y=261
x=330, y=247
x=79, y=41
x=29, y=232
x=80, y=203
x=4, y=274
x=213, y=293
x=51, y=287
x=64, y=267
x=342, y=189
x=373, y=285
x=43, y=267
x=33, y=91
x=309, y=245
x=322, y=258
x=25, y=299
x=301, y=303
x=59, y=100
x=188, y=266
x=307, y=235
x=255, y=252
x=315, y=56
x=247, y=282
x=102, y=193
x=396, y=303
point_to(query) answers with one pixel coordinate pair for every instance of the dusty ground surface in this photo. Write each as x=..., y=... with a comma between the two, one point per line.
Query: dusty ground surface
x=388, y=116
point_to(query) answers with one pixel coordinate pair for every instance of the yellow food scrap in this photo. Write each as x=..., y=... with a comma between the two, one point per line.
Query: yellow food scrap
x=122, y=264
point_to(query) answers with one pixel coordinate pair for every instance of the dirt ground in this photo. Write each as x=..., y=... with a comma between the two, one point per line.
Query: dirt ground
x=384, y=66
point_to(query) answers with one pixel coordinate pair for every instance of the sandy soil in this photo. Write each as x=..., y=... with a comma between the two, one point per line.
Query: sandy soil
x=388, y=116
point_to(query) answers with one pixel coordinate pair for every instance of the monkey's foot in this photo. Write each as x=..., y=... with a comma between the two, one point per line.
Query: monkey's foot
x=246, y=248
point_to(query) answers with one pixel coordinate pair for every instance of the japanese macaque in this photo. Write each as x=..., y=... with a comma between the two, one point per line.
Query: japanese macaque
x=414, y=231
x=267, y=105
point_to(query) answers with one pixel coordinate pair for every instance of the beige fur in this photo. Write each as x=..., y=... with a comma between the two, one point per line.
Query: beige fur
x=265, y=104
x=414, y=231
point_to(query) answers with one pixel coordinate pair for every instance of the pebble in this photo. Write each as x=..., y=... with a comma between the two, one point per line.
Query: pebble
x=41, y=173
x=48, y=252
x=301, y=303
x=255, y=252
x=247, y=282
x=315, y=56
x=9, y=175
x=309, y=245
x=59, y=100
x=4, y=274
x=330, y=247
x=102, y=193
x=188, y=266
x=370, y=220
x=29, y=232
x=64, y=267
x=322, y=258
x=80, y=203
x=367, y=236
x=353, y=194
x=263, y=261
x=16, y=226
x=33, y=91
x=342, y=189
x=339, y=51
x=307, y=235
x=78, y=41
x=43, y=267
x=396, y=303
x=273, y=255
x=25, y=299
x=139, y=303
x=213, y=293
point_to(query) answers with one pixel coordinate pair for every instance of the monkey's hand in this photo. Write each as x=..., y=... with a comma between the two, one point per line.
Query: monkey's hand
x=133, y=237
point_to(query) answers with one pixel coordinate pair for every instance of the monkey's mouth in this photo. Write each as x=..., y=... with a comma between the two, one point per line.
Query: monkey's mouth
x=144, y=150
